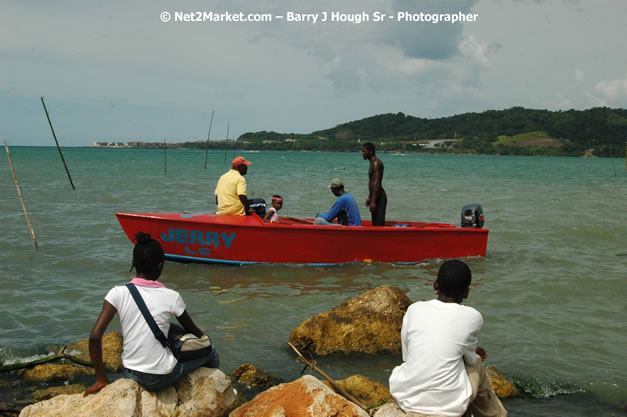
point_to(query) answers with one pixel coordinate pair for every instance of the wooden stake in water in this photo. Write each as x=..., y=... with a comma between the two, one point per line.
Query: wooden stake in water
x=57, y=142
x=228, y=125
x=19, y=193
x=233, y=146
x=208, y=136
x=165, y=162
x=612, y=158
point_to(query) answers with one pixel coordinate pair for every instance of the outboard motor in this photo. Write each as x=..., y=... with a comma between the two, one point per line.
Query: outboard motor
x=472, y=216
x=258, y=205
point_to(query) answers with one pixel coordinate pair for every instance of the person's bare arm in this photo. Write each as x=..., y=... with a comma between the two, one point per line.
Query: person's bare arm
x=244, y=201
x=188, y=324
x=95, y=347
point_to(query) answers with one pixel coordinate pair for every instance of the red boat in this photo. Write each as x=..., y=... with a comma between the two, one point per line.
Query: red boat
x=247, y=239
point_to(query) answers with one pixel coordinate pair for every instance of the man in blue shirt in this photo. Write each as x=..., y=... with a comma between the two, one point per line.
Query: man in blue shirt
x=344, y=206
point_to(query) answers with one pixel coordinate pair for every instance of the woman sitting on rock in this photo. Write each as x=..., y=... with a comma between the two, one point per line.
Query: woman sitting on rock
x=144, y=358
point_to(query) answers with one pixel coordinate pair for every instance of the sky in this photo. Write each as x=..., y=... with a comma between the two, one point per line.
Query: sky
x=115, y=71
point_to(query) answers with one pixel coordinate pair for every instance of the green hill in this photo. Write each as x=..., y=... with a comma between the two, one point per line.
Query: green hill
x=600, y=131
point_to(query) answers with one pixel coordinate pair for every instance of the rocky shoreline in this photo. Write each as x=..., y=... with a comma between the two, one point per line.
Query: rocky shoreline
x=368, y=323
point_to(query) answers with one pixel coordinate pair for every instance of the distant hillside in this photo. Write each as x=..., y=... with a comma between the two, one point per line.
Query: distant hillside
x=595, y=127
x=598, y=131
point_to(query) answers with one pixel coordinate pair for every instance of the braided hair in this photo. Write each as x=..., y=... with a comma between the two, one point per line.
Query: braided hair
x=147, y=255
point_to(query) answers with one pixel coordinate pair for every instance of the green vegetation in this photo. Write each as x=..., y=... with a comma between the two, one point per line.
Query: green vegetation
x=538, y=139
x=517, y=131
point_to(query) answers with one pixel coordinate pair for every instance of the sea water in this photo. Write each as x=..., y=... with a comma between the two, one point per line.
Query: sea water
x=552, y=288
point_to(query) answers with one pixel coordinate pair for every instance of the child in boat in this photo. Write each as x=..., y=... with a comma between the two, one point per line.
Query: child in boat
x=272, y=215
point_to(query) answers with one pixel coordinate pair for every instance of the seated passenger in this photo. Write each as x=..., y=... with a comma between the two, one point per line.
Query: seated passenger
x=272, y=215
x=344, y=204
x=231, y=190
x=144, y=359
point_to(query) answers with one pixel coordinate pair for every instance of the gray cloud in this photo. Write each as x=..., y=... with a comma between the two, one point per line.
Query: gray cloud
x=428, y=40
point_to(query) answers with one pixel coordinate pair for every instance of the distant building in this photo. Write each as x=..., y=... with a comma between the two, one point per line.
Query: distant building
x=109, y=144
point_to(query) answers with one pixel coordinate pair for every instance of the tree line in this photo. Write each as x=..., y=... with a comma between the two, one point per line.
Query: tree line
x=600, y=131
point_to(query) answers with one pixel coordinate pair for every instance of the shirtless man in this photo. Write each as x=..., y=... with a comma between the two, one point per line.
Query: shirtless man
x=377, y=199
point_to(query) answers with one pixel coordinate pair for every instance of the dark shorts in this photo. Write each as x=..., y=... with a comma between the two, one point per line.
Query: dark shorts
x=154, y=382
x=378, y=216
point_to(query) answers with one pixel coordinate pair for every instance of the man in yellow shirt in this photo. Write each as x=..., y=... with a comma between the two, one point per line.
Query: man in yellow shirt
x=231, y=190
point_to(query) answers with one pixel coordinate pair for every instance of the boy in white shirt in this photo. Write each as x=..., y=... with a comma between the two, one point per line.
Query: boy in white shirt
x=442, y=373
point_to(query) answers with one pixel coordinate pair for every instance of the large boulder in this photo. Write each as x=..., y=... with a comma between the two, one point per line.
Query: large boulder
x=368, y=392
x=202, y=393
x=305, y=397
x=46, y=394
x=111, y=351
x=51, y=371
x=503, y=387
x=369, y=323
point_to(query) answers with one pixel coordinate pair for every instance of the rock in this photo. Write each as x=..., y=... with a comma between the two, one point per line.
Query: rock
x=202, y=393
x=51, y=371
x=205, y=392
x=502, y=386
x=249, y=376
x=305, y=397
x=392, y=410
x=111, y=351
x=46, y=394
x=370, y=393
x=369, y=323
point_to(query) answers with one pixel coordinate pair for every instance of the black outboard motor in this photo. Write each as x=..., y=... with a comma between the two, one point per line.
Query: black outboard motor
x=472, y=216
x=258, y=205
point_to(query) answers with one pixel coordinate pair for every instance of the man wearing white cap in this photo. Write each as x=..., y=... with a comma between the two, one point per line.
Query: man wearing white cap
x=231, y=190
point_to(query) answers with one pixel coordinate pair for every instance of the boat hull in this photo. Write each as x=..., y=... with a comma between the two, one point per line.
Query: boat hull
x=247, y=239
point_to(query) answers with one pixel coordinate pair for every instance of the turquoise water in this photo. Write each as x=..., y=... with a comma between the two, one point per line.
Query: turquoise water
x=552, y=287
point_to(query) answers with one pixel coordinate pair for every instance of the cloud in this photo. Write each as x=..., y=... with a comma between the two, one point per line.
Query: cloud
x=426, y=40
x=613, y=89
x=476, y=51
x=579, y=77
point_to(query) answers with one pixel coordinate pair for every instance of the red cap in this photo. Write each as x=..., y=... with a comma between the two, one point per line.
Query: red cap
x=239, y=161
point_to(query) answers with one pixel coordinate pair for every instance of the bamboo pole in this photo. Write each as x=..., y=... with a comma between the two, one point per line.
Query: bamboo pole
x=612, y=158
x=19, y=193
x=233, y=146
x=57, y=142
x=228, y=125
x=165, y=162
x=335, y=385
x=208, y=136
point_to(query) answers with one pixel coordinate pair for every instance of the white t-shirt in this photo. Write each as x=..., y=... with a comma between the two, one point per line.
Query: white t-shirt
x=142, y=351
x=436, y=339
